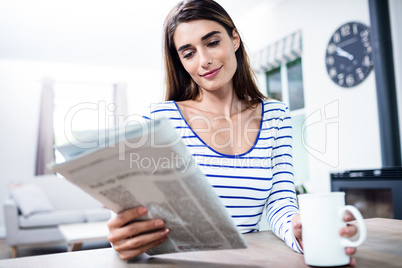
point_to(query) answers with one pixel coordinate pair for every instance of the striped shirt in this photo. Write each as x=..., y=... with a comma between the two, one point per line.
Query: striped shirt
x=247, y=182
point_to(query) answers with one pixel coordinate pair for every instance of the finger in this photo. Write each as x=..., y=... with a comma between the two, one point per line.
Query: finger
x=129, y=254
x=297, y=229
x=352, y=262
x=296, y=222
x=135, y=229
x=139, y=242
x=126, y=216
x=348, y=216
x=350, y=250
x=348, y=231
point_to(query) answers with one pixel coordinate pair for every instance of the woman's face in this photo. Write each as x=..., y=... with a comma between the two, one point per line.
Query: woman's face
x=207, y=53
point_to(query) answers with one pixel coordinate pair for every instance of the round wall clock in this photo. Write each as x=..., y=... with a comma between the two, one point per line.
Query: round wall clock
x=349, y=57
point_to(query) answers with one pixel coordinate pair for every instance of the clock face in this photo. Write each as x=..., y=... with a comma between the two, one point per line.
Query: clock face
x=349, y=57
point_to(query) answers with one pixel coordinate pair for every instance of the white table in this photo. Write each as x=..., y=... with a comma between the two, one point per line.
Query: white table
x=78, y=233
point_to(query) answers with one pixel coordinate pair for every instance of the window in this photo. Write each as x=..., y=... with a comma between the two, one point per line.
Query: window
x=274, y=84
x=80, y=109
x=295, y=85
x=285, y=83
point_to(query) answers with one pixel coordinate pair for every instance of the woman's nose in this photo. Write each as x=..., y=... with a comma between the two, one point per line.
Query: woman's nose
x=205, y=59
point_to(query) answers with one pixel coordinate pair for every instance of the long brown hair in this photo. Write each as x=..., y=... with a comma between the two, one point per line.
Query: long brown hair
x=179, y=84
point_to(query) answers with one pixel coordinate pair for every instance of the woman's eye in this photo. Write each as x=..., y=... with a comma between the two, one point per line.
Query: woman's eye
x=188, y=55
x=213, y=43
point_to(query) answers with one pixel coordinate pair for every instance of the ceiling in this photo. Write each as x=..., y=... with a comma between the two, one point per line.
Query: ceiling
x=117, y=33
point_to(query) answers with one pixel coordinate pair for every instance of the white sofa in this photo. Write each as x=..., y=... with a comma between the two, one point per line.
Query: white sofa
x=36, y=208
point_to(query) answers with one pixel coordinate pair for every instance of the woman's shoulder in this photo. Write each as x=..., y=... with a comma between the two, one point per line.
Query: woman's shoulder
x=162, y=109
x=274, y=106
x=275, y=112
x=163, y=105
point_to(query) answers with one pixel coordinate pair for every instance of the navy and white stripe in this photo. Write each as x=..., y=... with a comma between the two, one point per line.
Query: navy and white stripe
x=246, y=183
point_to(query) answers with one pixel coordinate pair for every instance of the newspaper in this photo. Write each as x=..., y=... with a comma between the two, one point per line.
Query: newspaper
x=149, y=166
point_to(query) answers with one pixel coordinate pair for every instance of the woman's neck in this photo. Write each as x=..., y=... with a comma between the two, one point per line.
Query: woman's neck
x=220, y=102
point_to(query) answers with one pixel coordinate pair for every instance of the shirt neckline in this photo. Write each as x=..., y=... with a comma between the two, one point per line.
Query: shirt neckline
x=213, y=150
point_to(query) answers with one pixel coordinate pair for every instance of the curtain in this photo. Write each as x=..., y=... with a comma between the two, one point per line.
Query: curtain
x=120, y=100
x=45, y=148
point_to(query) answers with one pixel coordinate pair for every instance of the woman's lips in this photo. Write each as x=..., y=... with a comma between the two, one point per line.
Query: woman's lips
x=212, y=73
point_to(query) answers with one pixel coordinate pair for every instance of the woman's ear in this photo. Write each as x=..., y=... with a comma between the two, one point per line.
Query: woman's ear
x=236, y=39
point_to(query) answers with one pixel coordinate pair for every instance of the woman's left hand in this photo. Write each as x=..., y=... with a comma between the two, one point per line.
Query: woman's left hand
x=348, y=231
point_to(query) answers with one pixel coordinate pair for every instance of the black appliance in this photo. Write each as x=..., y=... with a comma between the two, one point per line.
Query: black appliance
x=375, y=192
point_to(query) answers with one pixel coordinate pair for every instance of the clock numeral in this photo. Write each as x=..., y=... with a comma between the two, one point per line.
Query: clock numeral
x=355, y=30
x=331, y=48
x=365, y=41
x=345, y=30
x=341, y=79
x=364, y=34
x=350, y=80
x=337, y=37
x=366, y=61
x=360, y=73
x=330, y=60
x=332, y=72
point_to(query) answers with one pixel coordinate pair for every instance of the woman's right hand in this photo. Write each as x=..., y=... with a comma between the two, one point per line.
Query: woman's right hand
x=131, y=240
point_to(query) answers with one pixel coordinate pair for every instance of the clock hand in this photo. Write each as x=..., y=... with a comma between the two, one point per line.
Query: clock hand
x=343, y=53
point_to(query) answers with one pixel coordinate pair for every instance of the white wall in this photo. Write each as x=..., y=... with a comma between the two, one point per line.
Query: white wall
x=353, y=136
x=20, y=89
x=395, y=8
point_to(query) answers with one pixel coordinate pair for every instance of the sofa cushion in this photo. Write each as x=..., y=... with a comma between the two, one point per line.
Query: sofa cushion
x=46, y=219
x=30, y=198
x=97, y=214
x=65, y=195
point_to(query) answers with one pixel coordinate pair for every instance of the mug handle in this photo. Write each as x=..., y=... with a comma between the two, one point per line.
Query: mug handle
x=360, y=223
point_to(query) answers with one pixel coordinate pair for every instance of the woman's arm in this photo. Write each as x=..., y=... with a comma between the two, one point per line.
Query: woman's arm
x=282, y=205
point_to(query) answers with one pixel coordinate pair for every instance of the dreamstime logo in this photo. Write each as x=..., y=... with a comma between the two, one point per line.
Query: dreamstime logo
x=323, y=134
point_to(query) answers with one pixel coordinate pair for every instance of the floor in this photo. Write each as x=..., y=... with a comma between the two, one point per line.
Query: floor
x=5, y=250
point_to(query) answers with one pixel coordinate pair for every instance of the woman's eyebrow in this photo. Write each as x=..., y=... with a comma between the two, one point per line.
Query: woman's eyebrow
x=209, y=35
x=183, y=47
x=202, y=39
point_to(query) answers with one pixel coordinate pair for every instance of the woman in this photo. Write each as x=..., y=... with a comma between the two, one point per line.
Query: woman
x=240, y=139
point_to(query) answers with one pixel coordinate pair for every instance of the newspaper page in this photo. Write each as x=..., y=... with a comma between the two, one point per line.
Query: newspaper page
x=150, y=166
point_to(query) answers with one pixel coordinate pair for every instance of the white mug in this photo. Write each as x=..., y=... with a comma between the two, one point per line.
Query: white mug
x=321, y=216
